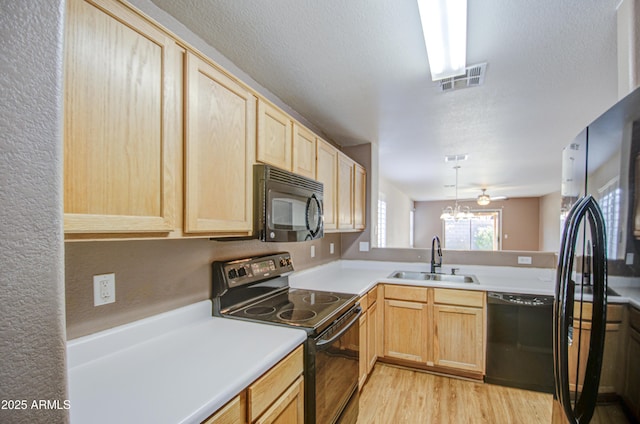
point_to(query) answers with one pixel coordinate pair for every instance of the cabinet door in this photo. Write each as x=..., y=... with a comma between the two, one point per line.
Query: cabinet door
x=274, y=136
x=405, y=330
x=304, y=151
x=631, y=392
x=372, y=336
x=327, y=174
x=233, y=412
x=580, y=346
x=274, y=384
x=345, y=192
x=364, y=346
x=458, y=337
x=219, y=152
x=121, y=121
x=288, y=408
x=360, y=197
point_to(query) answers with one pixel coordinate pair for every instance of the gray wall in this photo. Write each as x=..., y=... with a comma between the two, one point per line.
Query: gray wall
x=32, y=330
x=154, y=276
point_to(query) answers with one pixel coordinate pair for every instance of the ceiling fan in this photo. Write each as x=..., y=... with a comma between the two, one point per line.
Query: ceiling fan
x=484, y=199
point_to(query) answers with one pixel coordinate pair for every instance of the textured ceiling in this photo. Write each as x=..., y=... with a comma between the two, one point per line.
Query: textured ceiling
x=358, y=70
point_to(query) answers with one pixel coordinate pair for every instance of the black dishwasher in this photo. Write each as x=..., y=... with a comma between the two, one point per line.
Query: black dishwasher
x=520, y=341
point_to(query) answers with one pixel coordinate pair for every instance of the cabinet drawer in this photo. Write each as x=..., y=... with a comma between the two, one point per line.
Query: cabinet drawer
x=232, y=413
x=459, y=297
x=416, y=294
x=372, y=296
x=614, y=312
x=273, y=383
x=634, y=318
x=364, y=302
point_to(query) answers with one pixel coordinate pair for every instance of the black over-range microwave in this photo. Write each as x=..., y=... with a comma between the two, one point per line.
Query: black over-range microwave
x=287, y=207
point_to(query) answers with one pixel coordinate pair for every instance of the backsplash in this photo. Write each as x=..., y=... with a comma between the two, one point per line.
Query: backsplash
x=154, y=276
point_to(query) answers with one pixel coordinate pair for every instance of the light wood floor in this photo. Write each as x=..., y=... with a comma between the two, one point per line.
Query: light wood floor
x=396, y=395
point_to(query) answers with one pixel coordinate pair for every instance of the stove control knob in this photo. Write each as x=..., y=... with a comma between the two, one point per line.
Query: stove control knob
x=288, y=261
x=242, y=272
x=232, y=274
x=283, y=262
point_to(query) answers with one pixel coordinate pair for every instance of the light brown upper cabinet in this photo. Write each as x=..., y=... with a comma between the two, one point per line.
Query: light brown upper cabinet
x=121, y=121
x=327, y=174
x=304, y=151
x=219, y=151
x=284, y=143
x=345, y=192
x=274, y=136
x=359, y=197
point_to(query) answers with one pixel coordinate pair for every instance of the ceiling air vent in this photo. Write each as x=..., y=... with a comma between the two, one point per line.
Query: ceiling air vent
x=473, y=77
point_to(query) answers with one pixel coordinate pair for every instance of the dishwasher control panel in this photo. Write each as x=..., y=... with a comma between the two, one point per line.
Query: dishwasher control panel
x=520, y=299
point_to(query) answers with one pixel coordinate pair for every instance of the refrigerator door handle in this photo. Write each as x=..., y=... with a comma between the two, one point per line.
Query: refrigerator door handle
x=580, y=411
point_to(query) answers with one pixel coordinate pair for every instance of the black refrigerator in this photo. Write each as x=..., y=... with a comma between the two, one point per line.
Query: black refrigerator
x=600, y=240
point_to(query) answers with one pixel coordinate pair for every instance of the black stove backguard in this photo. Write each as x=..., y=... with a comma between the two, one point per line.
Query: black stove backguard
x=241, y=281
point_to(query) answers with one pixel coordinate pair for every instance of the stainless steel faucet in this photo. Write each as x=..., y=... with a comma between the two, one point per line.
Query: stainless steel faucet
x=435, y=241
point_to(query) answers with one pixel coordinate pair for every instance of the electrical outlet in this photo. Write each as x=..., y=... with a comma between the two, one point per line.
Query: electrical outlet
x=331, y=248
x=104, y=289
x=313, y=251
x=364, y=246
x=524, y=260
x=629, y=259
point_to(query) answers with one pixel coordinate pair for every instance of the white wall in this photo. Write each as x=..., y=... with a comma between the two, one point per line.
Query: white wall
x=550, y=222
x=628, y=19
x=32, y=330
x=398, y=207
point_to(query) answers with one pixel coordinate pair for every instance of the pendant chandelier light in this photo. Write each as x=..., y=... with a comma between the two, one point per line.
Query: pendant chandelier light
x=456, y=212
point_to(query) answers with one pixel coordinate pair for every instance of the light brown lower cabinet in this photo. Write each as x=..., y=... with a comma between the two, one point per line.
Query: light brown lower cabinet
x=405, y=330
x=234, y=412
x=611, y=360
x=457, y=337
x=433, y=328
x=372, y=336
x=631, y=392
x=277, y=397
x=368, y=334
x=362, y=354
x=288, y=408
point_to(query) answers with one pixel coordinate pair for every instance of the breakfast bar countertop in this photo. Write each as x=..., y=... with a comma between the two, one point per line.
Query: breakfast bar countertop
x=358, y=277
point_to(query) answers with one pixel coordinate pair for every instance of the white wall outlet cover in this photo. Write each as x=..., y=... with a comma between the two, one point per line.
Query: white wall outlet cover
x=313, y=251
x=332, y=248
x=364, y=246
x=629, y=259
x=104, y=289
x=524, y=260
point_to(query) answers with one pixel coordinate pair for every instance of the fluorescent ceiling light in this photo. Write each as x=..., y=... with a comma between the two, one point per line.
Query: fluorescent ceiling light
x=444, y=24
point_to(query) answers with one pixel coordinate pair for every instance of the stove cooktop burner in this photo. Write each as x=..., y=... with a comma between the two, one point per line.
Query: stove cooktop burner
x=260, y=310
x=296, y=315
x=320, y=299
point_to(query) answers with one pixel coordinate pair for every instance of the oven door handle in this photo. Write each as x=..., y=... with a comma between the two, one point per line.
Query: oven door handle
x=320, y=343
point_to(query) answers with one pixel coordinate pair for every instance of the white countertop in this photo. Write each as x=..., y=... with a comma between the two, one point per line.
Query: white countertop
x=183, y=365
x=176, y=367
x=358, y=277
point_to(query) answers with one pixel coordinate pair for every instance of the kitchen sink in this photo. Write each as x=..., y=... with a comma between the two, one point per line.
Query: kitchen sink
x=427, y=276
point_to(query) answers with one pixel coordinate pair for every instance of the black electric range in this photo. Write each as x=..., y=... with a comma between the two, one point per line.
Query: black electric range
x=257, y=289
